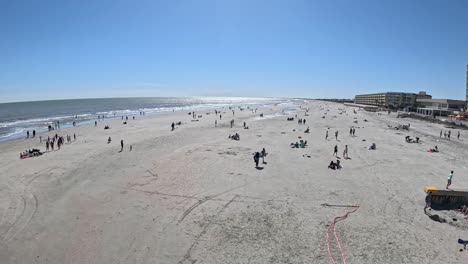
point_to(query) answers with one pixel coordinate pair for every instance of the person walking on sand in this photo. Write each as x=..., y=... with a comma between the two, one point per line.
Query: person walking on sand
x=449, y=180
x=121, y=145
x=336, y=135
x=335, y=151
x=345, y=152
x=326, y=135
x=440, y=134
x=263, y=155
x=458, y=136
x=256, y=158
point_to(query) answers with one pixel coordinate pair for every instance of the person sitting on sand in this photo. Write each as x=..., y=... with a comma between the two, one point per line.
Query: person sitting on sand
x=332, y=165
x=435, y=149
x=338, y=166
x=373, y=147
x=307, y=130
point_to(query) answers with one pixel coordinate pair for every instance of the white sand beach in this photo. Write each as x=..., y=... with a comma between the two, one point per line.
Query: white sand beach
x=194, y=196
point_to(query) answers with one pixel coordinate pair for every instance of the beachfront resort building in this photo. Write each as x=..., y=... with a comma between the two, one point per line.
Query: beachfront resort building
x=439, y=107
x=392, y=100
x=466, y=98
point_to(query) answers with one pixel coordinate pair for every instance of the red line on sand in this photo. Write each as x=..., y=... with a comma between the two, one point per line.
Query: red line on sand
x=327, y=235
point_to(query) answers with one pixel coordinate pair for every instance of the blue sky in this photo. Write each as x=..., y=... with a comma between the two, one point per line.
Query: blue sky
x=111, y=48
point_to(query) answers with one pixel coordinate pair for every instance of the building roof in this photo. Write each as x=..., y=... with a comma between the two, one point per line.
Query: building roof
x=441, y=101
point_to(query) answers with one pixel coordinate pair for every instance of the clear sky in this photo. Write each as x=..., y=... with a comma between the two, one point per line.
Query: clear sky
x=111, y=48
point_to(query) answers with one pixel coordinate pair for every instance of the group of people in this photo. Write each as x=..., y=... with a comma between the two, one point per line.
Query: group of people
x=236, y=136
x=326, y=135
x=300, y=144
x=335, y=165
x=352, y=131
x=30, y=153
x=447, y=134
x=345, y=152
x=257, y=155
x=408, y=139
x=50, y=143
x=301, y=121
x=33, y=133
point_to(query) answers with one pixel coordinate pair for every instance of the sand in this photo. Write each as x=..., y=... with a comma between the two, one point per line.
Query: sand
x=194, y=196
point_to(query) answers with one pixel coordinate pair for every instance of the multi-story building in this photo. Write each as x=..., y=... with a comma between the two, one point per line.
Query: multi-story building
x=466, y=98
x=439, y=107
x=390, y=99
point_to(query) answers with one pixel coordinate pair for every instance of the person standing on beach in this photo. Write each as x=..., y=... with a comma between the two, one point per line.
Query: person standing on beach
x=27, y=134
x=216, y=123
x=440, y=134
x=121, y=145
x=47, y=145
x=95, y=123
x=220, y=116
x=336, y=135
x=34, y=133
x=172, y=126
x=354, y=131
x=458, y=136
x=256, y=158
x=335, y=151
x=40, y=139
x=74, y=137
x=449, y=132
x=263, y=155
x=345, y=152
x=351, y=131
x=449, y=180
x=326, y=135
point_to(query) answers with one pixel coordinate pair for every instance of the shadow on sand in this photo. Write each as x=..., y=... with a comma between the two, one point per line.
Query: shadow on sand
x=434, y=217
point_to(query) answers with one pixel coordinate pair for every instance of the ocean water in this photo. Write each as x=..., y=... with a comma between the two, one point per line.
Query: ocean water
x=17, y=118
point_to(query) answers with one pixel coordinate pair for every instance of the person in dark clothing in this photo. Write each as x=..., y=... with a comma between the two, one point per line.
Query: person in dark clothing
x=27, y=134
x=335, y=151
x=172, y=126
x=34, y=133
x=121, y=145
x=256, y=158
